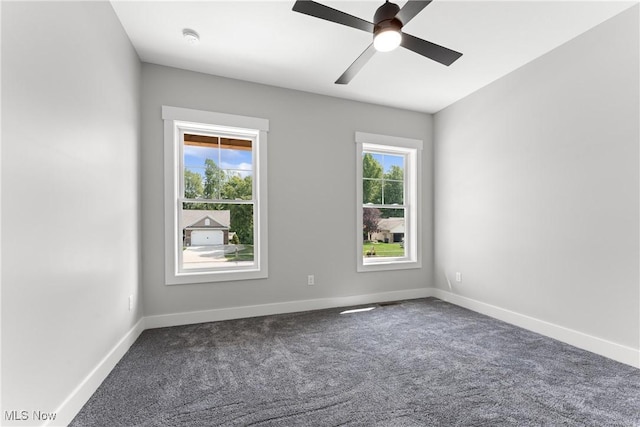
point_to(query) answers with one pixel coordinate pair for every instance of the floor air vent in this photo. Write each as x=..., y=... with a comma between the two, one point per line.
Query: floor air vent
x=384, y=304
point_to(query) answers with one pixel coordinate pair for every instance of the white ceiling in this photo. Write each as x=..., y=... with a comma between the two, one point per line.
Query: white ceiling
x=266, y=42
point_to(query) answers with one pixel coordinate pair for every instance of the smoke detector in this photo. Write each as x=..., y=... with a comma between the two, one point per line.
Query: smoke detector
x=190, y=36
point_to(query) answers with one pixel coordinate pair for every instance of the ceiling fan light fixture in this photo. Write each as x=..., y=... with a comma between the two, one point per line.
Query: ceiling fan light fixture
x=387, y=40
x=387, y=33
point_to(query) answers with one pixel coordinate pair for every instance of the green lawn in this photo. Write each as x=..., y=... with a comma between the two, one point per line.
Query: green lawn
x=245, y=254
x=384, y=249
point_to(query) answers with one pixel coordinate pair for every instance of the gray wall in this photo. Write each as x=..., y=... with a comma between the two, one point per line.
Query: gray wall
x=536, y=202
x=536, y=179
x=70, y=197
x=311, y=189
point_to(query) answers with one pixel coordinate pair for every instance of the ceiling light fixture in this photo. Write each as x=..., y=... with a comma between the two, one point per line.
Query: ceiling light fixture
x=190, y=36
x=387, y=33
x=386, y=41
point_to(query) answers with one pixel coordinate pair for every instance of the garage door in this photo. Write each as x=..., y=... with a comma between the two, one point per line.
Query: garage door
x=206, y=237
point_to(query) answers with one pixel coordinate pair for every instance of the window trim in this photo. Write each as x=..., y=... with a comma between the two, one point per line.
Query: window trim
x=412, y=148
x=176, y=120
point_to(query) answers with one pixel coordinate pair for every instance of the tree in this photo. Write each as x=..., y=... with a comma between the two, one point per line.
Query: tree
x=394, y=186
x=193, y=188
x=237, y=188
x=372, y=182
x=393, y=192
x=370, y=220
x=213, y=180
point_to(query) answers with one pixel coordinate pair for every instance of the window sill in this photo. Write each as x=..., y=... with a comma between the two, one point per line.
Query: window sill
x=212, y=277
x=388, y=266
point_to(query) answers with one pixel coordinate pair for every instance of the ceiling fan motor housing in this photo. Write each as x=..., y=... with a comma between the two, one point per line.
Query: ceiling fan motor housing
x=385, y=18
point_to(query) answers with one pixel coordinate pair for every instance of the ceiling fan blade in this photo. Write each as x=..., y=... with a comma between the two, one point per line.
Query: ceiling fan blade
x=330, y=14
x=357, y=65
x=430, y=50
x=411, y=9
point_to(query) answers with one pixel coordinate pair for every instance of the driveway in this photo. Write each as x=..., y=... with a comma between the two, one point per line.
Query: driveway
x=209, y=256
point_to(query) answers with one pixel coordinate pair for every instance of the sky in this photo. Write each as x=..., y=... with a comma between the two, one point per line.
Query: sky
x=388, y=160
x=236, y=161
x=240, y=161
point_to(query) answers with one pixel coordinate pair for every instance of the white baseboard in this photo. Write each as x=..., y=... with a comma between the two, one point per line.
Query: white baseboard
x=76, y=400
x=78, y=397
x=72, y=405
x=618, y=352
x=215, y=315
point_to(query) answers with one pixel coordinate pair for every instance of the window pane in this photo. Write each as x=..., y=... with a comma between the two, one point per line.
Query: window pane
x=237, y=187
x=236, y=157
x=216, y=235
x=393, y=192
x=372, y=191
x=393, y=179
x=393, y=166
x=372, y=165
x=201, y=156
x=383, y=232
x=196, y=152
x=217, y=168
x=193, y=183
x=383, y=178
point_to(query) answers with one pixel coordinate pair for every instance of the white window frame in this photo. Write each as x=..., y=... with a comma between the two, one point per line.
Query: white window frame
x=411, y=149
x=176, y=122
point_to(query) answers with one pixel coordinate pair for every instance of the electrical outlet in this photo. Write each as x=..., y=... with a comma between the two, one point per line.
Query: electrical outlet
x=311, y=280
x=458, y=277
x=130, y=302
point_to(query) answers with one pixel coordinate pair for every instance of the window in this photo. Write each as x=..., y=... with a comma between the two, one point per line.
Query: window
x=215, y=196
x=388, y=202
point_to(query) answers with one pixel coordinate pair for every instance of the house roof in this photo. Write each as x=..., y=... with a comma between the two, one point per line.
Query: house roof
x=392, y=225
x=196, y=218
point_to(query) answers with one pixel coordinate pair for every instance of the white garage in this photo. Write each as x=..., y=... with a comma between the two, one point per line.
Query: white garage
x=207, y=237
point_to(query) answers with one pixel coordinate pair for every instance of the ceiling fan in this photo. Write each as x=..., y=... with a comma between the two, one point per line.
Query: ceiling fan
x=387, y=32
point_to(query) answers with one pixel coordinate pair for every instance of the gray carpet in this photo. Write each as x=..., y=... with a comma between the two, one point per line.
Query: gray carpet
x=419, y=363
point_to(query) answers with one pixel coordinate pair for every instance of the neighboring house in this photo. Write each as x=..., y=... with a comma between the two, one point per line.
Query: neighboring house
x=205, y=228
x=389, y=230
